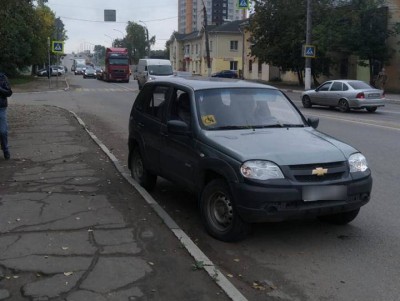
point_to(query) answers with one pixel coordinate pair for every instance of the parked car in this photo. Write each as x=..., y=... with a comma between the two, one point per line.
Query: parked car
x=226, y=74
x=89, y=72
x=345, y=95
x=55, y=70
x=246, y=151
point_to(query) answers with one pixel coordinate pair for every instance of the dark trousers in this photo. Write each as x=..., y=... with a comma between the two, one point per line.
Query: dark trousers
x=3, y=129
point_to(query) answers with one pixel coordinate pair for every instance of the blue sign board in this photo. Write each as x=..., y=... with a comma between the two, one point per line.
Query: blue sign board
x=57, y=47
x=243, y=4
x=309, y=51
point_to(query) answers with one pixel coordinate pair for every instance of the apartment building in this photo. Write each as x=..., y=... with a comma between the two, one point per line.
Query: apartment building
x=191, y=13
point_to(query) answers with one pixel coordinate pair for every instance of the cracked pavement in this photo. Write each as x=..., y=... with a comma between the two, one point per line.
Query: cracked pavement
x=72, y=229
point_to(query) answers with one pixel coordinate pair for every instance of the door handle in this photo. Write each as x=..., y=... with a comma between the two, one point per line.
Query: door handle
x=164, y=134
x=140, y=124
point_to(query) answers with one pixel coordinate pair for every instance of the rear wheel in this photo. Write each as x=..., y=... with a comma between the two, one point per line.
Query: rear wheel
x=371, y=109
x=140, y=173
x=219, y=213
x=344, y=105
x=306, y=101
x=342, y=218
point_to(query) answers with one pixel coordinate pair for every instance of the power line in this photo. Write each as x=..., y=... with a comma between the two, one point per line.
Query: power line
x=95, y=21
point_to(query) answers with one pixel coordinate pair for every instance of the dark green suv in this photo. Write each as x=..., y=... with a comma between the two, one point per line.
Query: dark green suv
x=246, y=151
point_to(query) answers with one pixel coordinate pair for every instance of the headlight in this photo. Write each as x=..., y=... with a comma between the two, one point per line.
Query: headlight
x=261, y=170
x=151, y=78
x=358, y=163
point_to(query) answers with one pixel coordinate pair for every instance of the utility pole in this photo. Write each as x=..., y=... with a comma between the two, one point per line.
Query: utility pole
x=307, y=82
x=207, y=43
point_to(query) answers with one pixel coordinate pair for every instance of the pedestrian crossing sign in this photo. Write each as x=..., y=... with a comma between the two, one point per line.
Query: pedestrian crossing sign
x=309, y=51
x=243, y=4
x=57, y=47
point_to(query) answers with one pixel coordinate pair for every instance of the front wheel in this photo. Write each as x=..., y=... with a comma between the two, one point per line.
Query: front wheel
x=371, y=109
x=140, y=173
x=219, y=213
x=306, y=101
x=342, y=218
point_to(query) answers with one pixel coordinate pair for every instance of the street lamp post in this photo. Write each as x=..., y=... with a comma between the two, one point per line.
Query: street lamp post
x=123, y=35
x=147, y=38
x=112, y=39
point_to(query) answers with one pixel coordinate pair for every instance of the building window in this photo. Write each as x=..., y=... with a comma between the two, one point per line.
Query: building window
x=211, y=45
x=250, y=65
x=233, y=65
x=234, y=45
x=259, y=67
x=197, y=48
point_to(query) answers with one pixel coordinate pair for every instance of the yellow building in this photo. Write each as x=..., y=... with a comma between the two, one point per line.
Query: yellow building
x=188, y=51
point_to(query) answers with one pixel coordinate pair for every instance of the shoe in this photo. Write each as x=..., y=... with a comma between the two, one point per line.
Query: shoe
x=7, y=155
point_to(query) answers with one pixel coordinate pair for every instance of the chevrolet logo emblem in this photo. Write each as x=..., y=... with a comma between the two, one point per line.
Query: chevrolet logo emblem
x=319, y=171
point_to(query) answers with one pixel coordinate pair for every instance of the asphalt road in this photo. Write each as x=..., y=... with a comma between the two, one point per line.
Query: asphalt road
x=297, y=260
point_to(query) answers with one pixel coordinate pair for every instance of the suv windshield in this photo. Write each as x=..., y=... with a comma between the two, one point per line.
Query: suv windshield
x=160, y=69
x=239, y=108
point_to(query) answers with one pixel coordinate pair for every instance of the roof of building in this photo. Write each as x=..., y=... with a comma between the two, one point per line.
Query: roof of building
x=227, y=27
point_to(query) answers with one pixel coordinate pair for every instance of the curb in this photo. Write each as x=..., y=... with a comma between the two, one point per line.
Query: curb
x=219, y=278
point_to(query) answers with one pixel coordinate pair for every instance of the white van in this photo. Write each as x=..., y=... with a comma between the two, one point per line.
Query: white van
x=149, y=69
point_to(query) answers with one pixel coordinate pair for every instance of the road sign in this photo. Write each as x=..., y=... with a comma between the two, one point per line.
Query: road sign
x=110, y=15
x=57, y=47
x=309, y=51
x=243, y=4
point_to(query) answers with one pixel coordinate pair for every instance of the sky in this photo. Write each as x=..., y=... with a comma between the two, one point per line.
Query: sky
x=85, y=26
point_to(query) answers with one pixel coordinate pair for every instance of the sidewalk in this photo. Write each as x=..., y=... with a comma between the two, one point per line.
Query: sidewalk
x=72, y=228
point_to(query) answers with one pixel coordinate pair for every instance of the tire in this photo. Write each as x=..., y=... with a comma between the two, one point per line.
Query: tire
x=343, y=105
x=219, y=214
x=371, y=109
x=306, y=101
x=139, y=172
x=342, y=218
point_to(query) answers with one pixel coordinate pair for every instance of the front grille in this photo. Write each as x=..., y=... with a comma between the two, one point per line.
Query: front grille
x=304, y=173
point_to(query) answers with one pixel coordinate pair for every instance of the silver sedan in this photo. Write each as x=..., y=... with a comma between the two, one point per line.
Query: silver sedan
x=346, y=95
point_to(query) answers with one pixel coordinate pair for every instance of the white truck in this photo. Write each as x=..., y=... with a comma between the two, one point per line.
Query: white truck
x=78, y=63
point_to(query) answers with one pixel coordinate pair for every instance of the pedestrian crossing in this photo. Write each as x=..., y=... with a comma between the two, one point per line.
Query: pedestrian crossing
x=103, y=90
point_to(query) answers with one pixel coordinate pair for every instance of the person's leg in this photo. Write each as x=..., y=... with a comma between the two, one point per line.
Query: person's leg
x=4, y=133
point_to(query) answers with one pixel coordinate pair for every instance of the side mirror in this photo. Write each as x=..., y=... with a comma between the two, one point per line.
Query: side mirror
x=177, y=127
x=313, y=121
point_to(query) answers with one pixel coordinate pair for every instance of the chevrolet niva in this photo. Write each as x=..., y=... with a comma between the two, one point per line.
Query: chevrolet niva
x=246, y=151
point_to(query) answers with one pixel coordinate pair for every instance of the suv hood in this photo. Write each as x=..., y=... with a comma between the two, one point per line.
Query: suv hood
x=284, y=146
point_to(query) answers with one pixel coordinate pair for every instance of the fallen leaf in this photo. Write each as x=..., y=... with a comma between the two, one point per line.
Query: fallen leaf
x=236, y=260
x=151, y=263
x=68, y=273
x=229, y=275
x=64, y=248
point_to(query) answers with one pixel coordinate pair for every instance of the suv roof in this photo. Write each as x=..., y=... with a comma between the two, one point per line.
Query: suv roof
x=201, y=83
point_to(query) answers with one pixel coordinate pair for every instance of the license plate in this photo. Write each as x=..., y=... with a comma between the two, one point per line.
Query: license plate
x=374, y=95
x=324, y=193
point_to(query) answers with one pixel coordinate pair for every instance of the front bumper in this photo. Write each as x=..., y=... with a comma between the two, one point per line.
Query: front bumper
x=277, y=203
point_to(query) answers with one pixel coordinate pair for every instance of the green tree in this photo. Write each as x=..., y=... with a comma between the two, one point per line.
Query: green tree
x=99, y=54
x=343, y=28
x=357, y=28
x=136, y=41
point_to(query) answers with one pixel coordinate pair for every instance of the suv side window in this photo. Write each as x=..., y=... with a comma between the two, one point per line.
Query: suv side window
x=154, y=102
x=180, y=108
